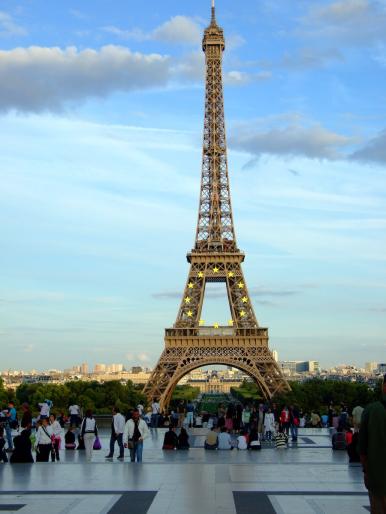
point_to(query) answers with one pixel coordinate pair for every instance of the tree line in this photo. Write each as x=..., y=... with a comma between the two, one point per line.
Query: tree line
x=311, y=395
x=314, y=395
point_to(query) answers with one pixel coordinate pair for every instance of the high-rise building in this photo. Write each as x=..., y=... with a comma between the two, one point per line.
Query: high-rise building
x=382, y=367
x=370, y=367
x=291, y=367
x=275, y=355
x=99, y=368
x=84, y=368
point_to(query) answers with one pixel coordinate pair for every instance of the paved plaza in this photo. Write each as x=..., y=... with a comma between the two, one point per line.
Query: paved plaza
x=306, y=478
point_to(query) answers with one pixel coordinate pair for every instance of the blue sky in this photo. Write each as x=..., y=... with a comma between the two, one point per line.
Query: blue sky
x=101, y=113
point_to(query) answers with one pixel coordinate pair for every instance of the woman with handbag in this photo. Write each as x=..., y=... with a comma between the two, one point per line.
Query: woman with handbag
x=43, y=441
x=56, y=437
x=88, y=433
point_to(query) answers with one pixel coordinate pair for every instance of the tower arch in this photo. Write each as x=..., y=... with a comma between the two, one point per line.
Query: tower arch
x=244, y=367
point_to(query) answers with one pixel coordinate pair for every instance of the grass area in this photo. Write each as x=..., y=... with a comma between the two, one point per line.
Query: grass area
x=210, y=402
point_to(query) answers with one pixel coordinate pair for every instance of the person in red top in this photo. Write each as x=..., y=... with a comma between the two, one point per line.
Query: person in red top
x=285, y=419
x=348, y=436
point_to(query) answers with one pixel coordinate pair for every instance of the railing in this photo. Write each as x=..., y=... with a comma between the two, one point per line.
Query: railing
x=221, y=331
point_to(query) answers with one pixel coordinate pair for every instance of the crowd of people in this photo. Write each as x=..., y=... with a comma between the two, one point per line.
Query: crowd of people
x=362, y=432
x=45, y=434
x=231, y=426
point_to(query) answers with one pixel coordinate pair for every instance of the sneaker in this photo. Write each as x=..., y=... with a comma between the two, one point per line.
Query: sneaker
x=109, y=457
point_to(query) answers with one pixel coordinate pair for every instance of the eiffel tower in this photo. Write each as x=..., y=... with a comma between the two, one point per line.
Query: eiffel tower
x=215, y=257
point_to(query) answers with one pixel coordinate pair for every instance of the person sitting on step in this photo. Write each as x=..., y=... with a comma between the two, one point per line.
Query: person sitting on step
x=170, y=439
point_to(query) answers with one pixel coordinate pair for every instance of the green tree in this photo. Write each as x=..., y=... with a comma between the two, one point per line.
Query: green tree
x=185, y=392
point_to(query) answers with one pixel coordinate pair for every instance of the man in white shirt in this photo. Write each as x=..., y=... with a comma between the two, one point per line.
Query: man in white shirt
x=117, y=429
x=74, y=411
x=136, y=431
x=44, y=409
x=155, y=412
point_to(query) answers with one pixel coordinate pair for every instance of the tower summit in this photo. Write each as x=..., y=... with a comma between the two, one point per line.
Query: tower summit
x=242, y=343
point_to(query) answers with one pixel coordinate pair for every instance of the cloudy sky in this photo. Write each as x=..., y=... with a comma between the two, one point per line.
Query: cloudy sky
x=101, y=111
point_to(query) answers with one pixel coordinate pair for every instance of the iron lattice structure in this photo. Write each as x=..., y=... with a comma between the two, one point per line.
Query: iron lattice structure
x=215, y=258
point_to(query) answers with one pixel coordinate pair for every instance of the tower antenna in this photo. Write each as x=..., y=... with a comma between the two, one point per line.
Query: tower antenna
x=213, y=11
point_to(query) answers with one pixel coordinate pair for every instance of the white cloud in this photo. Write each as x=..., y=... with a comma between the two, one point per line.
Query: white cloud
x=240, y=78
x=373, y=151
x=191, y=67
x=236, y=77
x=75, y=13
x=143, y=357
x=353, y=22
x=8, y=27
x=311, y=141
x=307, y=58
x=38, y=78
x=177, y=30
x=136, y=34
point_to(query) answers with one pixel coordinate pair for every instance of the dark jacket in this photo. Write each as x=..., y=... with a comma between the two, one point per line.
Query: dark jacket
x=22, y=448
x=170, y=440
x=183, y=441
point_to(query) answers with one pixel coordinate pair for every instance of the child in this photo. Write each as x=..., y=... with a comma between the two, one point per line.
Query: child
x=242, y=443
x=281, y=440
x=3, y=453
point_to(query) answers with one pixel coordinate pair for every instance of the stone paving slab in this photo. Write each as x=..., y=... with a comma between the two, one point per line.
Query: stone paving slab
x=306, y=478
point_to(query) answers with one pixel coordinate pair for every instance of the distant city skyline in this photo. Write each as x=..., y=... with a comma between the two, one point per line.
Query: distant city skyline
x=100, y=159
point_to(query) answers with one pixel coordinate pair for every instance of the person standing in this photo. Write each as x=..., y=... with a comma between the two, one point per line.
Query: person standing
x=330, y=414
x=294, y=422
x=10, y=424
x=181, y=413
x=136, y=431
x=45, y=409
x=56, y=437
x=155, y=412
x=356, y=417
x=74, y=411
x=285, y=420
x=88, y=433
x=372, y=450
x=117, y=429
x=26, y=419
x=43, y=441
x=189, y=414
x=246, y=418
x=3, y=453
x=260, y=420
x=269, y=425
